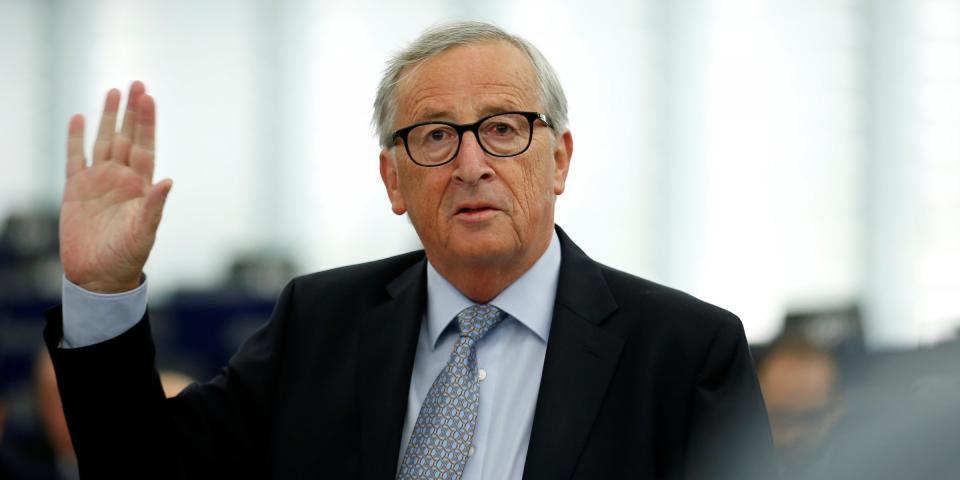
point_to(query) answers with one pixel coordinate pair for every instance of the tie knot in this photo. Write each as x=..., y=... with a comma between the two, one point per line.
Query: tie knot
x=475, y=321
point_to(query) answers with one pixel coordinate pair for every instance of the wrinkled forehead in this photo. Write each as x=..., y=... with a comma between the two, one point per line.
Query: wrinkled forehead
x=466, y=78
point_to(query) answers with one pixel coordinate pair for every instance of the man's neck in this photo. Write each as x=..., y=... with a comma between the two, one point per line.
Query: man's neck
x=482, y=281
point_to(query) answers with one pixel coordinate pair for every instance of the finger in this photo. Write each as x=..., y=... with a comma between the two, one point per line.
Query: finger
x=142, y=152
x=108, y=125
x=137, y=89
x=120, y=149
x=153, y=207
x=75, y=160
x=124, y=139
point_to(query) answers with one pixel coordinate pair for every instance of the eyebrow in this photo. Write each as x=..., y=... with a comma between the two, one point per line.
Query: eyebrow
x=435, y=115
x=446, y=115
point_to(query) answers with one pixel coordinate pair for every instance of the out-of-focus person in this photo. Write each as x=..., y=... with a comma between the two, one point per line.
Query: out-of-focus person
x=799, y=382
x=173, y=382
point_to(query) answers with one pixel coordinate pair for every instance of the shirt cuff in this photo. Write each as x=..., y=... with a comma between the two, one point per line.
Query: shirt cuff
x=90, y=318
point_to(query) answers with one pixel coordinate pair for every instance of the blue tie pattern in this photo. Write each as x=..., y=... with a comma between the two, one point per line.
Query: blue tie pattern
x=440, y=443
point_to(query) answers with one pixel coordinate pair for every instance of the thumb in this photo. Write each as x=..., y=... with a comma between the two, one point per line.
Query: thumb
x=153, y=208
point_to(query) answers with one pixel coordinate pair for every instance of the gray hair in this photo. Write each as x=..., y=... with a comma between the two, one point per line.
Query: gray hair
x=439, y=38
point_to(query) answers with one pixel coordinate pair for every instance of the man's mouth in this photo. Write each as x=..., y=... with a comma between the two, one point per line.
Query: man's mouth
x=474, y=209
x=476, y=212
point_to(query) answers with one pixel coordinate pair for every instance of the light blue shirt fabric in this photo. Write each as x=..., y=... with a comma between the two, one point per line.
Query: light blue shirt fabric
x=510, y=357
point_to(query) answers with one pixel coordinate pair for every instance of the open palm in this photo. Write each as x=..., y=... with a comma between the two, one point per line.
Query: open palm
x=111, y=208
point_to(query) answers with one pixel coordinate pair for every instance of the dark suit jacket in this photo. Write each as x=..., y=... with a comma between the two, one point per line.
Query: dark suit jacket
x=639, y=381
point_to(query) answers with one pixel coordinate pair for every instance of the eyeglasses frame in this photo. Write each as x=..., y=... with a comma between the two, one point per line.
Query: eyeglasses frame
x=474, y=127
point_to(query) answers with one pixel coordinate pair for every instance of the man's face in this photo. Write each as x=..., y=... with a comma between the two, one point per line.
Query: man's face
x=477, y=210
x=799, y=392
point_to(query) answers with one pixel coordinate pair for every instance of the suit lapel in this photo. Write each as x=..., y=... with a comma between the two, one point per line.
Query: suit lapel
x=580, y=360
x=388, y=345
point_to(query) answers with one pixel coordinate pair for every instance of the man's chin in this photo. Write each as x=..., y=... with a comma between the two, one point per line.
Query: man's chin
x=487, y=243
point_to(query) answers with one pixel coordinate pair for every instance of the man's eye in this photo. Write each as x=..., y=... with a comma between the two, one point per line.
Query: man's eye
x=437, y=135
x=501, y=129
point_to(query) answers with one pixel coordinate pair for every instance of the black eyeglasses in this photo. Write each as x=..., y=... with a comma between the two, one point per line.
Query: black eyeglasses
x=507, y=134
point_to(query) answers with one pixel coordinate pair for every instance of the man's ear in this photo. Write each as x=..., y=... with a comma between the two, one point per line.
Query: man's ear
x=389, y=174
x=562, y=152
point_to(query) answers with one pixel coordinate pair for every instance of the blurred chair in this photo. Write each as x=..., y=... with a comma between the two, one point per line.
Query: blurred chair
x=30, y=256
x=30, y=275
x=205, y=327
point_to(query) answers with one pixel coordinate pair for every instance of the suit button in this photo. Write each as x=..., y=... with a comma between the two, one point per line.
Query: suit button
x=482, y=375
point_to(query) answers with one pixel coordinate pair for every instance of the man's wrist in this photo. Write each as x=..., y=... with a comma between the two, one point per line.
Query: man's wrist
x=109, y=287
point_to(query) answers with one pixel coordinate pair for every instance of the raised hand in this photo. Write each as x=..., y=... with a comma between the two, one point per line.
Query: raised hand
x=111, y=208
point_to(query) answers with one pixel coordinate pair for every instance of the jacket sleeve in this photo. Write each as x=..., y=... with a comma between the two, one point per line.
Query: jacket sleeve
x=123, y=427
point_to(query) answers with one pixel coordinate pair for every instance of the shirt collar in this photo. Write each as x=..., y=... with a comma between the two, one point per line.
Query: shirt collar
x=529, y=299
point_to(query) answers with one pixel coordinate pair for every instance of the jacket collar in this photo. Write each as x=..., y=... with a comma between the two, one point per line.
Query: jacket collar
x=580, y=360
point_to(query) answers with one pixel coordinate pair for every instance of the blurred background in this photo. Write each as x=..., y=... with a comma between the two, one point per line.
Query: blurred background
x=796, y=162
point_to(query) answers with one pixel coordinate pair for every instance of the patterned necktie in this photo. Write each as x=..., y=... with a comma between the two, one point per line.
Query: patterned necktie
x=440, y=443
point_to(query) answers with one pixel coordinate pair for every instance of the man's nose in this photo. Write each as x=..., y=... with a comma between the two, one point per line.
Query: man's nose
x=471, y=164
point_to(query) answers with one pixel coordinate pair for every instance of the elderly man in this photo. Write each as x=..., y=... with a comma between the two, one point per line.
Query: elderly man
x=500, y=351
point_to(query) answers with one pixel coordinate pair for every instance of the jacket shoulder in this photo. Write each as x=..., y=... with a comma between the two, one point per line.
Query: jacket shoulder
x=629, y=288
x=654, y=307
x=329, y=304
